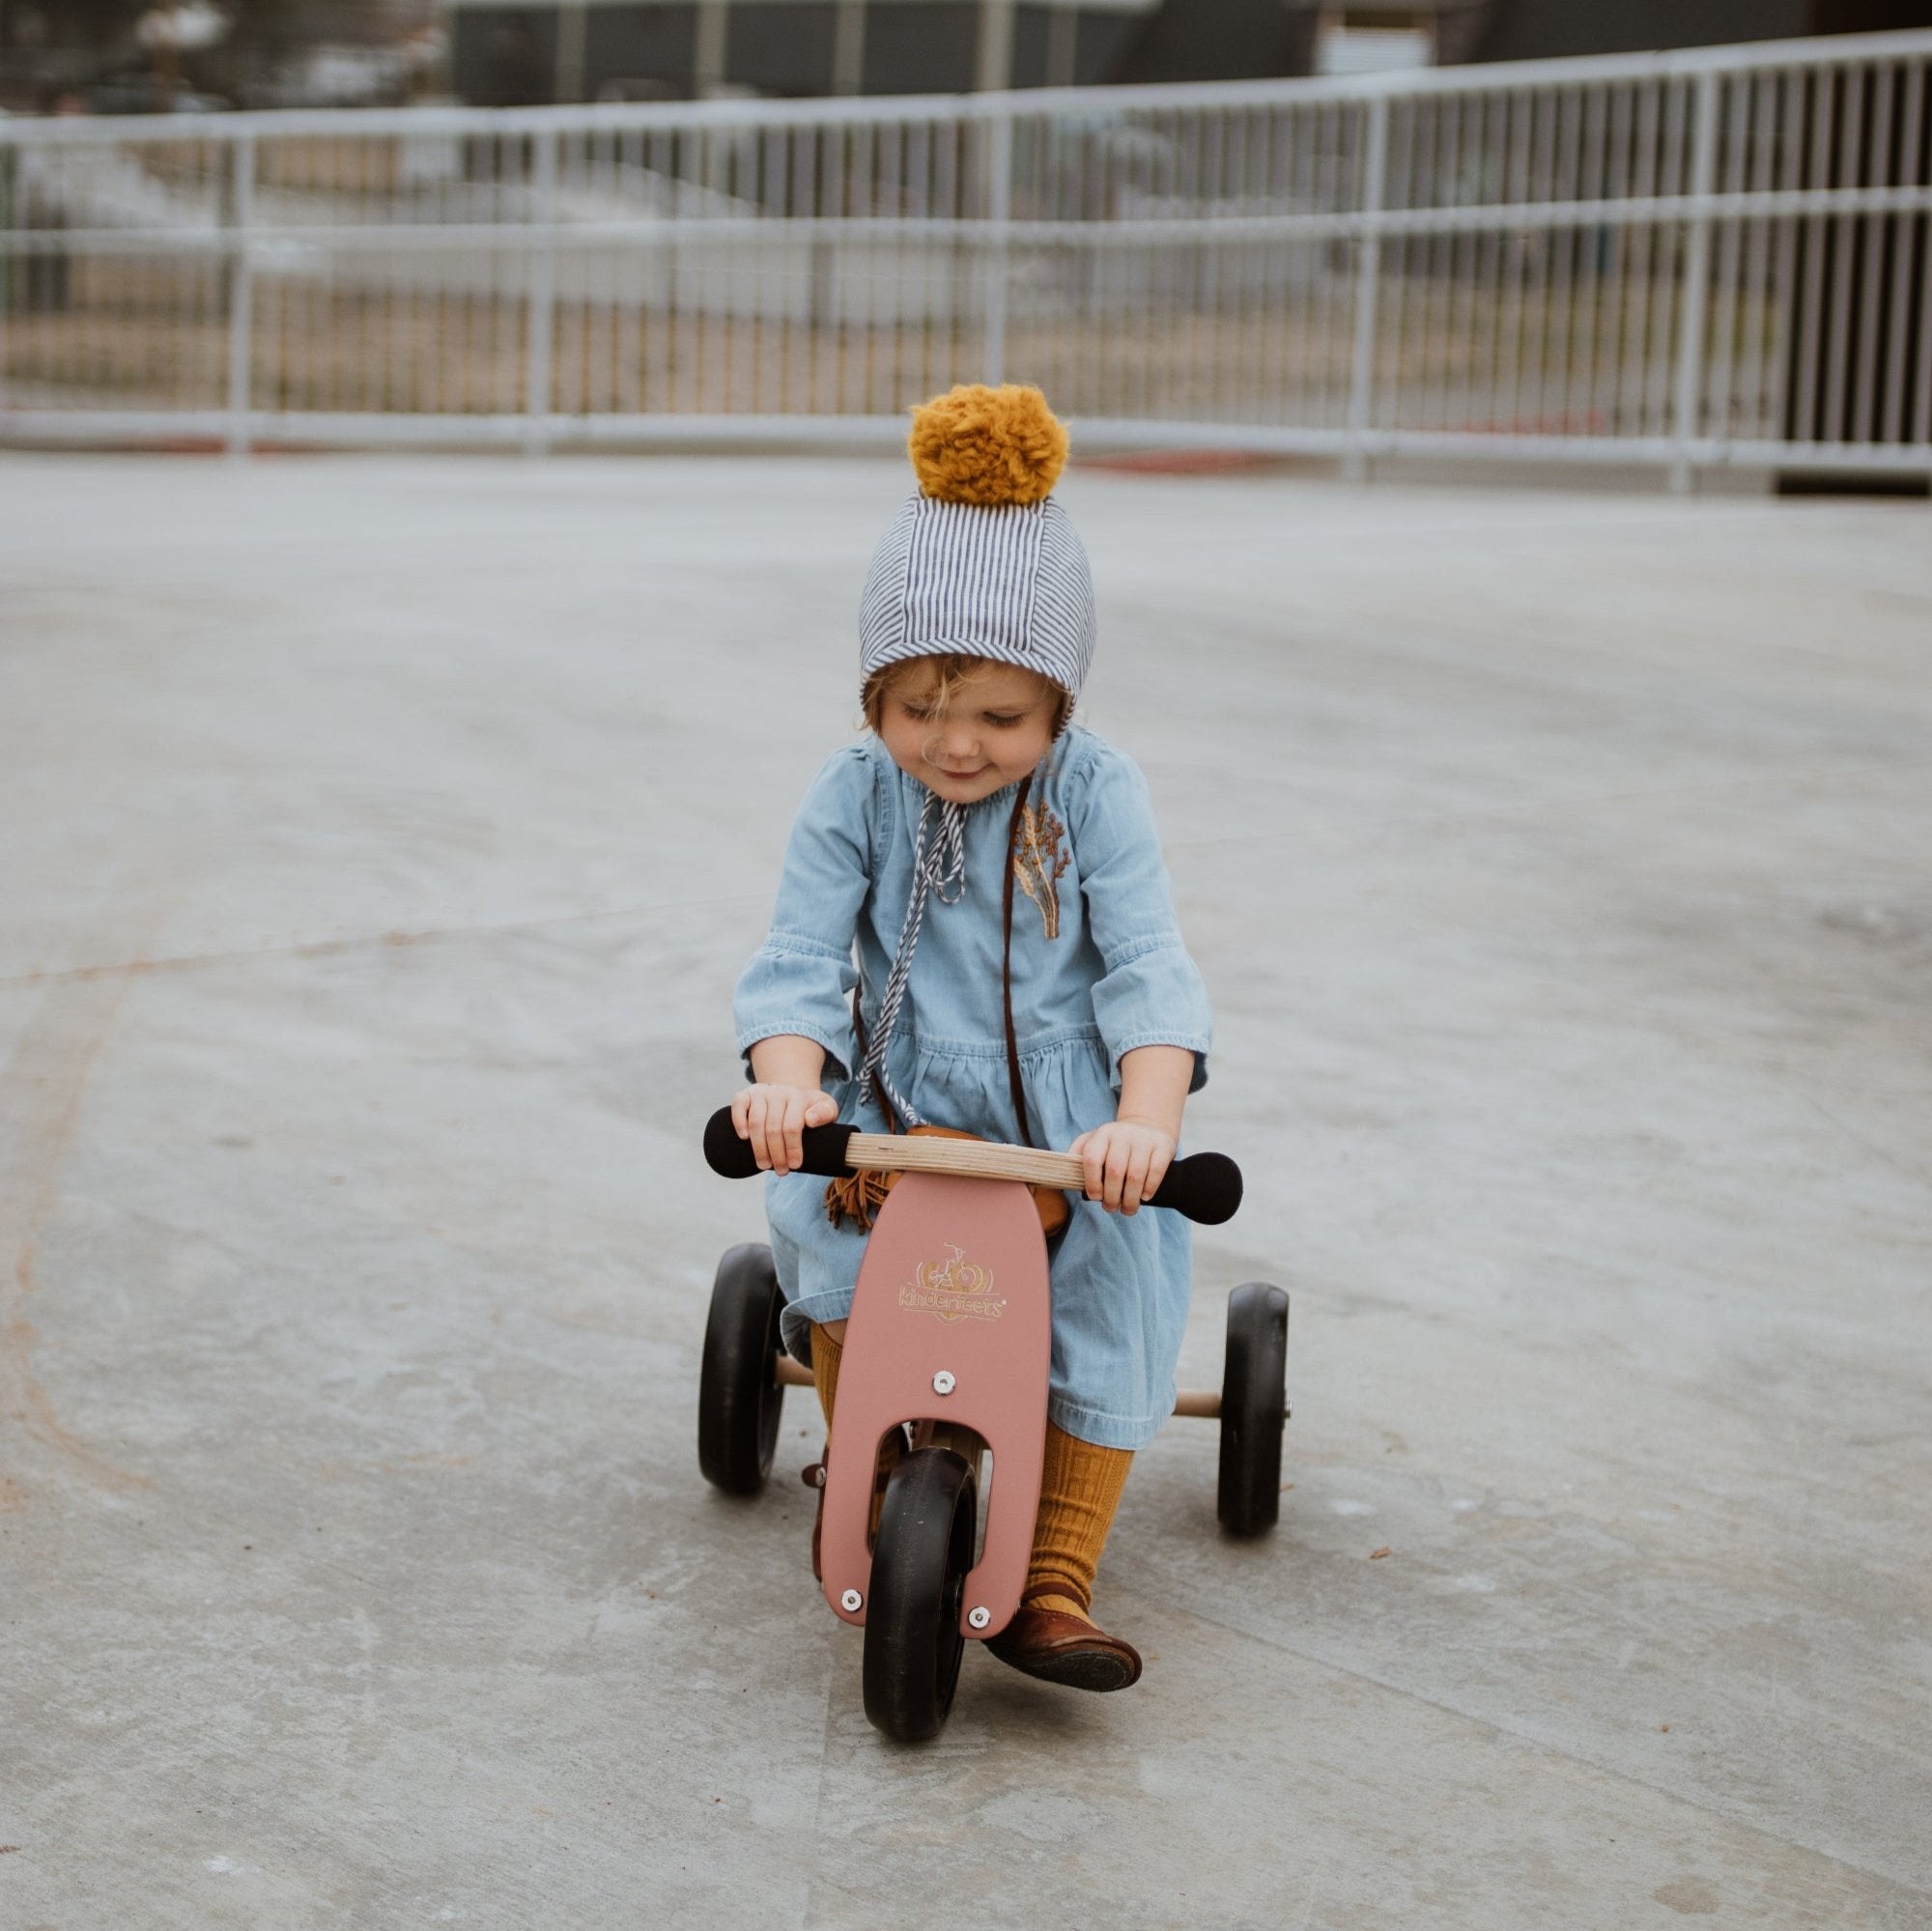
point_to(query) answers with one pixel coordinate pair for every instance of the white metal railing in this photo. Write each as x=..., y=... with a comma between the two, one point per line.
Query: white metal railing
x=1719, y=256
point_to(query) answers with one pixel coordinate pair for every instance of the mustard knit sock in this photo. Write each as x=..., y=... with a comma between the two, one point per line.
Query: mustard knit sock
x=826, y=1355
x=1080, y=1486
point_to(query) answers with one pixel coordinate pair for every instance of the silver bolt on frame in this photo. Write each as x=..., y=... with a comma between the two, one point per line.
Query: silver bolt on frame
x=943, y=1382
x=851, y=1601
x=979, y=1617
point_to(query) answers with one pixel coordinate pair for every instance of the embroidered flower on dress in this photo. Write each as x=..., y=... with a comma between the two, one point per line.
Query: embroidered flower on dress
x=1040, y=857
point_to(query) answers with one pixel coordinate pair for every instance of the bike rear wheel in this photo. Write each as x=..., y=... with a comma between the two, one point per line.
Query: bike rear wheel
x=739, y=1397
x=1254, y=1406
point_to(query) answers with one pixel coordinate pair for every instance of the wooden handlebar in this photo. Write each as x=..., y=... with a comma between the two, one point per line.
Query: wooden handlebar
x=965, y=1159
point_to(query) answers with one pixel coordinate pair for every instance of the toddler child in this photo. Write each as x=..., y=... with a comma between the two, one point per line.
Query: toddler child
x=987, y=875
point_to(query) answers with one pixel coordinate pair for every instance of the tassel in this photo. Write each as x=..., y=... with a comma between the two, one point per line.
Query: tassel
x=857, y=1198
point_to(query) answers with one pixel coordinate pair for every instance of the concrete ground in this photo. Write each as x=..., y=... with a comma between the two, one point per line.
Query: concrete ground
x=382, y=840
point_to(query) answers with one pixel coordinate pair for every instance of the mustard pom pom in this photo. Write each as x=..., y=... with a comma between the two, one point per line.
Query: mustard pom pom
x=976, y=444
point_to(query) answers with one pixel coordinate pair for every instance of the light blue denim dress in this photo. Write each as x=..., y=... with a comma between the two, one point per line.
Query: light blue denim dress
x=1113, y=976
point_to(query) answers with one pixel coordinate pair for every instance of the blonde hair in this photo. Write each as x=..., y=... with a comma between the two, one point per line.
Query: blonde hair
x=954, y=671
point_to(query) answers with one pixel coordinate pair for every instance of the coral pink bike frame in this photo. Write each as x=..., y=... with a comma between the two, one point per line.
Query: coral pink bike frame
x=950, y=1325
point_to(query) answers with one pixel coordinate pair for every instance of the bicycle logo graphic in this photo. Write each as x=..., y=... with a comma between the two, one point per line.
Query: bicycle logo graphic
x=958, y=1289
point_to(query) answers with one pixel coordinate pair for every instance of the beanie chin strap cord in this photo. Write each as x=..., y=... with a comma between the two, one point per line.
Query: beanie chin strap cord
x=938, y=867
x=941, y=870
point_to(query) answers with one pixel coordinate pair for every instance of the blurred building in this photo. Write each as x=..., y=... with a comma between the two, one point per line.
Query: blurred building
x=130, y=56
x=1536, y=29
x=519, y=53
x=104, y=55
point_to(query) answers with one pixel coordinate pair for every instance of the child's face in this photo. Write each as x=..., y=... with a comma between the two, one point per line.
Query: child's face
x=996, y=726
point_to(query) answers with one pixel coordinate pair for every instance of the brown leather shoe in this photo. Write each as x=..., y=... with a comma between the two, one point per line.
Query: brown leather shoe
x=1059, y=1648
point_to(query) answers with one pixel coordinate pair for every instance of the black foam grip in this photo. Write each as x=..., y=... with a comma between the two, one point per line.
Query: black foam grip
x=824, y=1149
x=1205, y=1186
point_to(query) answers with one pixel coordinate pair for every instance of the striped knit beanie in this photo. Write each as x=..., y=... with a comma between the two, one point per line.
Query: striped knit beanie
x=983, y=561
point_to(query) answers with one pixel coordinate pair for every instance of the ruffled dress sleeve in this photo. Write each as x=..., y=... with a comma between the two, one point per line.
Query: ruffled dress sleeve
x=1150, y=992
x=800, y=980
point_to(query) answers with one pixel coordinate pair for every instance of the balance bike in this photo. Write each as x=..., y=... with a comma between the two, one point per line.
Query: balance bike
x=947, y=1346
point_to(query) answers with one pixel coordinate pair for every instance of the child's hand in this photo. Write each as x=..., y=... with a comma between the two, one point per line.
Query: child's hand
x=773, y=1117
x=1126, y=1160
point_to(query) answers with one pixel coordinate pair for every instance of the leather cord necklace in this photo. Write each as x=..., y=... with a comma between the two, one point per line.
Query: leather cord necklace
x=1019, y=1085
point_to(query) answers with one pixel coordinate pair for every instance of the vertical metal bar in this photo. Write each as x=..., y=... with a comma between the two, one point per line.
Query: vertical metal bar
x=1761, y=121
x=1518, y=112
x=764, y=150
x=1208, y=287
x=1696, y=278
x=1837, y=338
x=542, y=273
x=919, y=202
x=10, y=171
x=834, y=154
x=1546, y=113
x=567, y=304
x=1249, y=259
x=1399, y=191
x=319, y=307
x=1190, y=260
x=999, y=217
x=1637, y=294
x=241, y=295
x=629, y=259
x=1597, y=340
x=1439, y=344
x=728, y=199
x=485, y=309
x=600, y=281
x=1921, y=411
x=1368, y=275
x=710, y=336
x=1905, y=230
x=948, y=195
x=1805, y=424
x=1498, y=116
x=1920, y=433
x=865, y=262
x=1736, y=96
x=1864, y=396
x=1326, y=126
x=1566, y=262
x=1458, y=380
x=396, y=285
x=426, y=377
x=1666, y=282
x=342, y=357
x=1277, y=258
x=1078, y=372
x=1781, y=285
x=380, y=290
x=1164, y=199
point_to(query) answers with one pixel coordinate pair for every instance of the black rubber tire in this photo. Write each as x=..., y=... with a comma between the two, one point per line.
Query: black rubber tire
x=919, y=1560
x=738, y=1393
x=1254, y=1407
